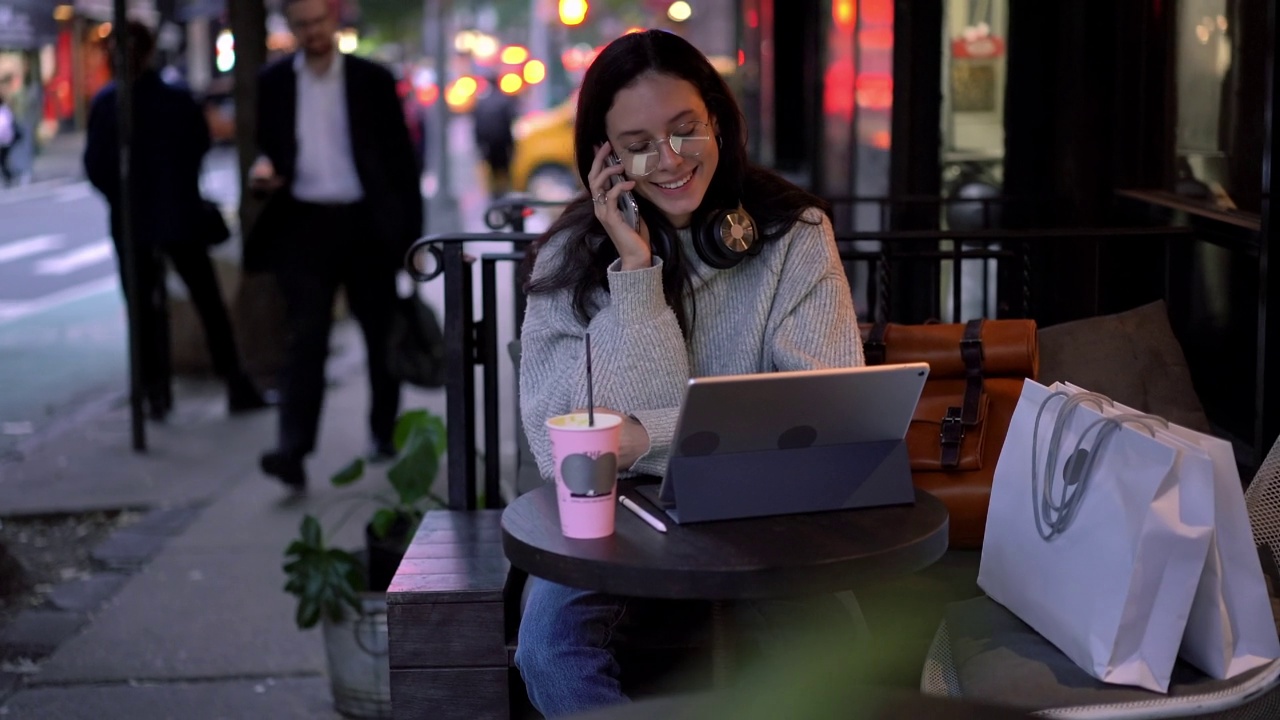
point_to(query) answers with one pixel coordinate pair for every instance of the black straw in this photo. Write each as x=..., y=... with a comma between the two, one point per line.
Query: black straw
x=591, y=401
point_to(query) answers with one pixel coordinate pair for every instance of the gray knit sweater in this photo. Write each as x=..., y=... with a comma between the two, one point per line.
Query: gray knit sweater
x=789, y=308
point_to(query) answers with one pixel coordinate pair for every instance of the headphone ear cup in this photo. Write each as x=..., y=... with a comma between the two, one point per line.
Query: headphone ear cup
x=726, y=237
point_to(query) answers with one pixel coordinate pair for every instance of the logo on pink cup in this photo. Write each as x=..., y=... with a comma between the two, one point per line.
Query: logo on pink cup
x=589, y=474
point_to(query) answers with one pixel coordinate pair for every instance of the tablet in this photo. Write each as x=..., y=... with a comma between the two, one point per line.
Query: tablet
x=788, y=410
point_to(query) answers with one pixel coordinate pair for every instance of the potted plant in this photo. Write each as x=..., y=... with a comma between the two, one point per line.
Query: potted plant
x=345, y=590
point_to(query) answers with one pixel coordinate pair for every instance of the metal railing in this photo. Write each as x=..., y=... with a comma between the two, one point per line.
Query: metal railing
x=470, y=342
x=917, y=212
x=925, y=256
x=901, y=262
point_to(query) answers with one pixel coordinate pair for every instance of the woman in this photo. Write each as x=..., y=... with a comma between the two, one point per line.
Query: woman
x=693, y=292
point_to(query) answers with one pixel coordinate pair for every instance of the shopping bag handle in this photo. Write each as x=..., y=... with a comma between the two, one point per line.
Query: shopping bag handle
x=1054, y=515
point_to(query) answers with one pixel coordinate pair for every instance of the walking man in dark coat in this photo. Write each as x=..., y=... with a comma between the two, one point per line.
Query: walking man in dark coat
x=344, y=207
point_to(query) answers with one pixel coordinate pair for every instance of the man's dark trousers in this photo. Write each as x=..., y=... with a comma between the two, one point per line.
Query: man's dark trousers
x=192, y=263
x=327, y=247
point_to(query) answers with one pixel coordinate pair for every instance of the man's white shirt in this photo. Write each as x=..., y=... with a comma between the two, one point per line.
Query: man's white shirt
x=325, y=171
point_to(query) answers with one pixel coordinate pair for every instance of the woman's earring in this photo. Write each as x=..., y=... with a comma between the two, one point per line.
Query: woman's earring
x=719, y=141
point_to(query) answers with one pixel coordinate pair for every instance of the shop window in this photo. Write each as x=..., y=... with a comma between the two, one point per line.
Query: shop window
x=1221, y=48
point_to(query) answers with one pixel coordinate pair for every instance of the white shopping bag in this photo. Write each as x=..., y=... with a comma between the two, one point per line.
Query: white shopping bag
x=1230, y=629
x=1113, y=585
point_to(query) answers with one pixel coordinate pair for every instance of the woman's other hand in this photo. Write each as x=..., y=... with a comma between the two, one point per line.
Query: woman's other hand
x=635, y=439
x=633, y=248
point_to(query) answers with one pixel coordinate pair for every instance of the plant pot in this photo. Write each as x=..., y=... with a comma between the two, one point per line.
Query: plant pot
x=359, y=670
x=384, y=554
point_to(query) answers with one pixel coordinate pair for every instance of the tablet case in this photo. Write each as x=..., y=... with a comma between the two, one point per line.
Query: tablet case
x=781, y=482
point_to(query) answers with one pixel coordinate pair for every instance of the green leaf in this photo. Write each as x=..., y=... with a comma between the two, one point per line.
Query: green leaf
x=310, y=530
x=382, y=522
x=414, y=421
x=408, y=422
x=308, y=613
x=357, y=581
x=439, y=438
x=349, y=474
x=415, y=472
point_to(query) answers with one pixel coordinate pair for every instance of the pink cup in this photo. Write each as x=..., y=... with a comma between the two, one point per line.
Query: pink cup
x=586, y=467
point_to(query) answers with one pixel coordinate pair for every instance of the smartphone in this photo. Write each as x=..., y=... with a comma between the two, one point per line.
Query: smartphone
x=626, y=201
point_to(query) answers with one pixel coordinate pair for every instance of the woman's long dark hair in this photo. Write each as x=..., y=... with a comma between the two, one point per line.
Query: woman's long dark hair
x=775, y=203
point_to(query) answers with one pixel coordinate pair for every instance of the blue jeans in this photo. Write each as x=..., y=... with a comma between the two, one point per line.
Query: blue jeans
x=565, y=648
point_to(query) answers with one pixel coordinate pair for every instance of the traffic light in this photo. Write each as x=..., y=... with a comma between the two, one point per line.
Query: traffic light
x=573, y=12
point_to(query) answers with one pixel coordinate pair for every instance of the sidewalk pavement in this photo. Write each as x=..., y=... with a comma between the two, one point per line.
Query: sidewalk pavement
x=61, y=158
x=184, y=615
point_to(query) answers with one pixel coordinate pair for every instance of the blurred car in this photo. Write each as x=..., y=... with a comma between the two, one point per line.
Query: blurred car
x=542, y=164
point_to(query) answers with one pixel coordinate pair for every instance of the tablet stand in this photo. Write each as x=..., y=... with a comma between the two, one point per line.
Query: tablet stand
x=781, y=482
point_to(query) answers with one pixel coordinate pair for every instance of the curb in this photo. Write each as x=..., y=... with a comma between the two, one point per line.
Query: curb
x=37, y=632
x=97, y=404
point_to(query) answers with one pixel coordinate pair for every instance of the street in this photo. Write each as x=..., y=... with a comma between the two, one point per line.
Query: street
x=63, y=338
x=62, y=326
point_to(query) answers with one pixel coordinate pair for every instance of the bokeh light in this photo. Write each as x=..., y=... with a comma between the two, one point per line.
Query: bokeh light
x=510, y=83
x=514, y=54
x=573, y=12
x=535, y=72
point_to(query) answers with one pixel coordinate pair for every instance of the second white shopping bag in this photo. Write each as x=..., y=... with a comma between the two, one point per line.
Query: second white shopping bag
x=1230, y=629
x=1093, y=539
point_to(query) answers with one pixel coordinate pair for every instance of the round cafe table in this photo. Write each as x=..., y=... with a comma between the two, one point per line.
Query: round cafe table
x=755, y=558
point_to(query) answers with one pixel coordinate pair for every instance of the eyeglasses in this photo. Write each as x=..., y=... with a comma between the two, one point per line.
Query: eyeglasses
x=687, y=140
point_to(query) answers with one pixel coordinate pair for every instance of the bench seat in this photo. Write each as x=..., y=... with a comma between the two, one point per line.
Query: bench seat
x=450, y=636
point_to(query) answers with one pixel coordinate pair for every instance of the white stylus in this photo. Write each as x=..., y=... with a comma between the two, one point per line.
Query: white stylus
x=641, y=513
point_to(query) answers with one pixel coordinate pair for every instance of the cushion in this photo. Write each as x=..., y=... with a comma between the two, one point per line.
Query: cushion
x=1001, y=660
x=1131, y=357
x=527, y=475
x=1271, y=574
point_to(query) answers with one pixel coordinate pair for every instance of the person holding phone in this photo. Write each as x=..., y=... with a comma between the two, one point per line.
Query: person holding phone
x=730, y=270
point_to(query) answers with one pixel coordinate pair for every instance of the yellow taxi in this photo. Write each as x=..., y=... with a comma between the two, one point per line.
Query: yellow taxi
x=542, y=164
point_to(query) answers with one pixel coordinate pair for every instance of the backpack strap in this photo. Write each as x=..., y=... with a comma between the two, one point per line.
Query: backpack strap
x=957, y=418
x=873, y=348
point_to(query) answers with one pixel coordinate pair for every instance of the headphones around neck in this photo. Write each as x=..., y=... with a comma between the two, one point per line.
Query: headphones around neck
x=725, y=237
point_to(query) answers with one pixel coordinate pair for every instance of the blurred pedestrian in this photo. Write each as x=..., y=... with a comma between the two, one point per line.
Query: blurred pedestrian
x=344, y=205
x=28, y=110
x=415, y=119
x=170, y=138
x=8, y=139
x=494, y=113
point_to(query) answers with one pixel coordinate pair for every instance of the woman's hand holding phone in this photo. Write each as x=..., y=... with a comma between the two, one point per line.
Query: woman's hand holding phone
x=607, y=185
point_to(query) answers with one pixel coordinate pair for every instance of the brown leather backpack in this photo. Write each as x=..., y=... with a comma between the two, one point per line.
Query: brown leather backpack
x=976, y=371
